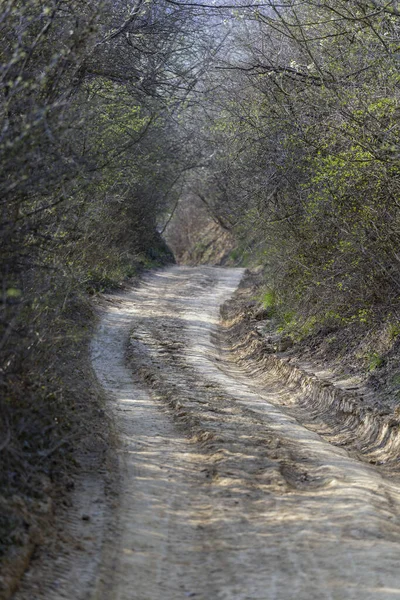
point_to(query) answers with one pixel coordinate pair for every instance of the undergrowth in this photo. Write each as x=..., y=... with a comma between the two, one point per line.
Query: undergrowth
x=48, y=408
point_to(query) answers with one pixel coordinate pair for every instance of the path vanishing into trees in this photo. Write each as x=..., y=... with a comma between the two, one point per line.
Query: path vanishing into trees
x=225, y=495
x=136, y=134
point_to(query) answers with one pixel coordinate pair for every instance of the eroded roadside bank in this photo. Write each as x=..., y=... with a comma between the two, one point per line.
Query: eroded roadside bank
x=341, y=404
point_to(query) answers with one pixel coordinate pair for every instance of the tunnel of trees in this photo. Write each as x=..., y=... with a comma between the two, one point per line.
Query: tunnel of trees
x=280, y=118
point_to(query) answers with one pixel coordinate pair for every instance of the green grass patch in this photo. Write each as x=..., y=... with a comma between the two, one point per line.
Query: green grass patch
x=269, y=299
x=375, y=361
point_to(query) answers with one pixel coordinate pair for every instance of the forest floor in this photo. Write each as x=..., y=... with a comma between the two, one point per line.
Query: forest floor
x=241, y=476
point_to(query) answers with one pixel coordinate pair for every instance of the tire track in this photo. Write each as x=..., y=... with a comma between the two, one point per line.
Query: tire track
x=224, y=495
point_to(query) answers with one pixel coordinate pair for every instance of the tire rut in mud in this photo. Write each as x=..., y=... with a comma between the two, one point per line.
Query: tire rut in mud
x=262, y=508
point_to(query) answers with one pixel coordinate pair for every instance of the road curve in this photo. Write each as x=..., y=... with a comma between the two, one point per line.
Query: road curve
x=224, y=496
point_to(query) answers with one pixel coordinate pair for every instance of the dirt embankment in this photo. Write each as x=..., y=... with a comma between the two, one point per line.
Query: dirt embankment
x=214, y=247
x=345, y=406
x=198, y=238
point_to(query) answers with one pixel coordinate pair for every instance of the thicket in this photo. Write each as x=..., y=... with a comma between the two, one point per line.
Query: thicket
x=306, y=164
x=90, y=152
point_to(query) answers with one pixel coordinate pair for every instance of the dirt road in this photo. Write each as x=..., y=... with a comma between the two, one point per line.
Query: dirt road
x=225, y=496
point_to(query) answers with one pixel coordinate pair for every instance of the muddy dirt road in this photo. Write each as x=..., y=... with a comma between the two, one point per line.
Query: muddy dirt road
x=224, y=495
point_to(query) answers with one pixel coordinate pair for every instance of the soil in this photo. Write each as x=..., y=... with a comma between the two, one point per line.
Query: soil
x=227, y=489
x=196, y=237
x=216, y=247
x=225, y=494
x=332, y=392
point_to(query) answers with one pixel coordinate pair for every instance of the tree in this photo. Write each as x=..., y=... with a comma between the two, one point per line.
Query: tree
x=307, y=159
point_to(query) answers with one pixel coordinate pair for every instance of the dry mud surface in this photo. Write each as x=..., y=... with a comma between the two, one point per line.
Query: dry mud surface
x=224, y=494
